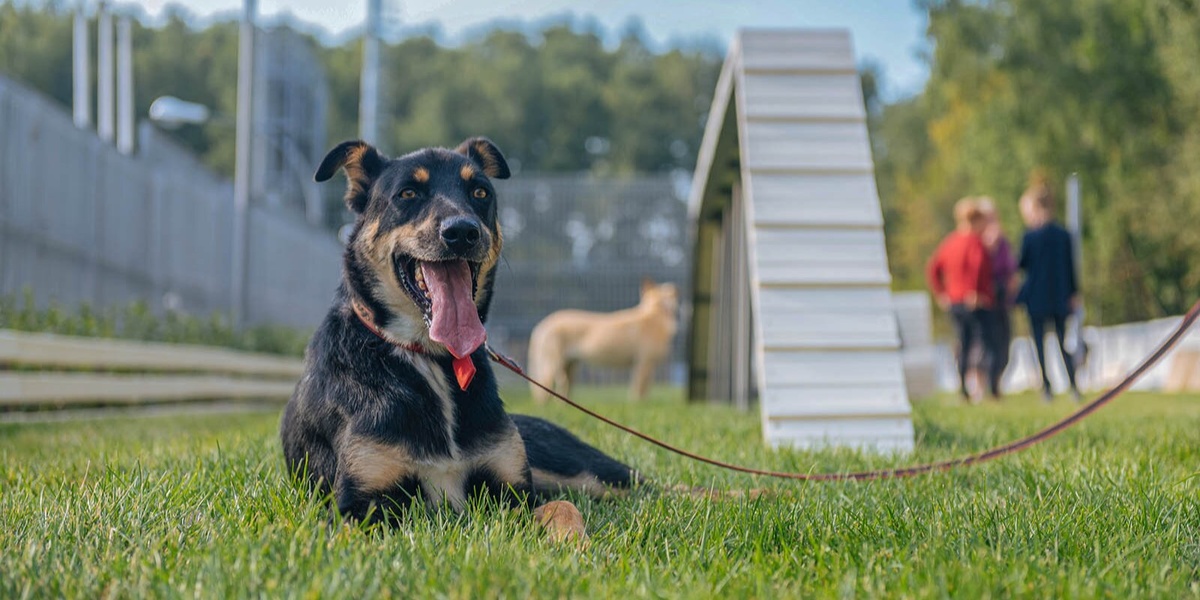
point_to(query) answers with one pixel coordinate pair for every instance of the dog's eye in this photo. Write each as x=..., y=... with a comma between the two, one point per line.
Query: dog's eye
x=480, y=193
x=408, y=193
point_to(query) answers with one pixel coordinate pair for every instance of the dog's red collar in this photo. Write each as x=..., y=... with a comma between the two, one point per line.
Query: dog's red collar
x=464, y=367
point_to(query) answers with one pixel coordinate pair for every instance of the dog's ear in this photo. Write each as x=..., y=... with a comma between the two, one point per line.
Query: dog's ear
x=362, y=164
x=647, y=285
x=486, y=155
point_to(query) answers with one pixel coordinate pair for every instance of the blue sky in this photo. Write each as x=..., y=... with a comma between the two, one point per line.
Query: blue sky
x=890, y=32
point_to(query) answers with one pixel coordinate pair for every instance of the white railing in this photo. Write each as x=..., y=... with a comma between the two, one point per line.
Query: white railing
x=1113, y=352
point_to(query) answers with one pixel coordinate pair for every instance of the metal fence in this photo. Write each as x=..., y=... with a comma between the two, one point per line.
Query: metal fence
x=81, y=223
x=574, y=241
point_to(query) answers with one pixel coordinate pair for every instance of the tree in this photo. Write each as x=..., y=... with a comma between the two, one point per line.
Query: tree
x=540, y=97
x=1103, y=88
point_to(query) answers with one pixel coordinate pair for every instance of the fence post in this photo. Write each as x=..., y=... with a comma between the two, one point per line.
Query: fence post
x=105, y=127
x=241, y=175
x=81, y=84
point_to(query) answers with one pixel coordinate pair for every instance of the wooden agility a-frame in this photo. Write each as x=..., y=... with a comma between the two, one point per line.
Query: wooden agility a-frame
x=791, y=299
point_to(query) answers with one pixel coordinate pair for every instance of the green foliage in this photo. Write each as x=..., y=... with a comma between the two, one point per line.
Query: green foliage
x=541, y=98
x=201, y=506
x=35, y=45
x=135, y=321
x=1108, y=89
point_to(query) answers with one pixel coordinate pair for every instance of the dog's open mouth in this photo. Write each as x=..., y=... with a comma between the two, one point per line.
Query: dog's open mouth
x=445, y=293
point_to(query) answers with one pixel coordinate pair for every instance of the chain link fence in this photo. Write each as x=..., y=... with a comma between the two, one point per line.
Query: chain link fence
x=574, y=241
x=80, y=223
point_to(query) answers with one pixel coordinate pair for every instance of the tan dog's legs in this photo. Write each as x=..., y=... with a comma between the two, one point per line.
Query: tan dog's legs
x=544, y=372
x=548, y=364
x=642, y=372
x=552, y=375
x=562, y=381
x=539, y=396
x=563, y=521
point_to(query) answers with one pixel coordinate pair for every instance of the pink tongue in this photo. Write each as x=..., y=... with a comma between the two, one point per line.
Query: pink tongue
x=456, y=322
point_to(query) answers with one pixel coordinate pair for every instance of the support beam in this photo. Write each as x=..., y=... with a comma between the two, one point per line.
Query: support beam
x=242, y=166
x=125, y=85
x=81, y=80
x=105, y=123
x=368, y=107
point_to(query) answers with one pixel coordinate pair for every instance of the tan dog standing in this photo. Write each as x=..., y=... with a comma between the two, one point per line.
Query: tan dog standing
x=638, y=337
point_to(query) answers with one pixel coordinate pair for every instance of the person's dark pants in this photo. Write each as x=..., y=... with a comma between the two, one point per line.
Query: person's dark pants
x=1037, y=327
x=972, y=325
x=1001, y=340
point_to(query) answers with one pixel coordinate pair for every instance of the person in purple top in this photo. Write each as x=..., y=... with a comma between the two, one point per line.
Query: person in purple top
x=1004, y=267
x=1050, y=291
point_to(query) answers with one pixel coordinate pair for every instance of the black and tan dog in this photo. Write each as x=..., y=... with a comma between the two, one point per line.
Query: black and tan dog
x=398, y=399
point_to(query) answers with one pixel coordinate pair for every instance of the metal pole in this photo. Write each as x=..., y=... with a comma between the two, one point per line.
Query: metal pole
x=241, y=173
x=104, y=75
x=1075, y=227
x=368, y=107
x=80, y=71
x=125, y=85
x=1075, y=219
x=296, y=164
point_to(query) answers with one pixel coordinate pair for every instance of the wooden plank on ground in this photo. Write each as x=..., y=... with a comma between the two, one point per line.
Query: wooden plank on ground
x=18, y=389
x=61, y=351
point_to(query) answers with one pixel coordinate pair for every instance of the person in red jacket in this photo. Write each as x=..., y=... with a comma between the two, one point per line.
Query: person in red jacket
x=960, y=277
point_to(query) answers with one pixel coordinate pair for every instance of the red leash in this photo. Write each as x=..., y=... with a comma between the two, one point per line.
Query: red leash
x=1188, y=320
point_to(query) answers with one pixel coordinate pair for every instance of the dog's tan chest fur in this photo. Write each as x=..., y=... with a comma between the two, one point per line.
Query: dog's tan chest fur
x=380, y=467
x=446, y=480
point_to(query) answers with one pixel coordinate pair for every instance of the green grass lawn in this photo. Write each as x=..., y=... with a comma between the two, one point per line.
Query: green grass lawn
x=200, y=506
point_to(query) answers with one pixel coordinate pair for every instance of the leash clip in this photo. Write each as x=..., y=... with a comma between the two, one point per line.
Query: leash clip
x=503, y=360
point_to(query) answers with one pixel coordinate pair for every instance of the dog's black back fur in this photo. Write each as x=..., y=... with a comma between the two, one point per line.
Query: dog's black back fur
x=377, y=422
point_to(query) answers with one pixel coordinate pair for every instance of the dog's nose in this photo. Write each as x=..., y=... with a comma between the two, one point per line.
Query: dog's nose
x=460, y=234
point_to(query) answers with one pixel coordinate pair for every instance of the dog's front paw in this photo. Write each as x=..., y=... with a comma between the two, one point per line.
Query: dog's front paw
x=563, y=521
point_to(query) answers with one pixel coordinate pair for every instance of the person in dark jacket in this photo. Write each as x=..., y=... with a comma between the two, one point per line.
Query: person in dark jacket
x=1050, y=291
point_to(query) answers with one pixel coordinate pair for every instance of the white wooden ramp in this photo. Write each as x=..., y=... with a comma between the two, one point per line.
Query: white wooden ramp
x=792, y=301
